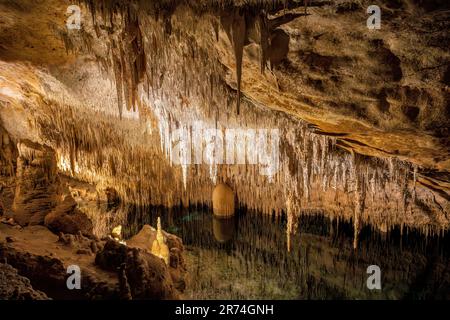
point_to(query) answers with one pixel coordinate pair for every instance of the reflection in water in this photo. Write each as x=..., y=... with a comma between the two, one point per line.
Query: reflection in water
x=247, y=257
x=223, y=229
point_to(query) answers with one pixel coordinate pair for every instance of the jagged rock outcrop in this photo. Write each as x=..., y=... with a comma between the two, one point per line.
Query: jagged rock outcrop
x=67, y=218
x=108, y=268
x=37, y=186
x=147, y=275
x=8, y=154
x=15, y=287
x=125, y=291
x=111, y=256
x=45, y=273
x=145, y=238
x=40, y=197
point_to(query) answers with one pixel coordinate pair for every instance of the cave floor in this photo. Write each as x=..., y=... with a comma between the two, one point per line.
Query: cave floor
x=34, y=245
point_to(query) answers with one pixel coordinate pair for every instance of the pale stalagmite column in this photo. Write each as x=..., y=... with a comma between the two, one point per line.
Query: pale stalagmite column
x=223, y=201
x=159, y=246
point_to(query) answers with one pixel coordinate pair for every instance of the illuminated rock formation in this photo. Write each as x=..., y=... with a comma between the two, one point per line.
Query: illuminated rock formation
x=223, y=200
x=116, y=233
x=145, y=239
x=37, y=186
x=67, y=218
x=159, y=246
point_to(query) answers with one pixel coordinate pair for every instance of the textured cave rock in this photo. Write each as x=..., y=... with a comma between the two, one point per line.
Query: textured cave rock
x=147, y=275
x=114, y=255
x=46, y=273
x=40, y=197
x=101, y=263
x=8, y=155
x=37, y=183
x=67, y=218
x=177, y=266
x=15, y=287
x=49, y=275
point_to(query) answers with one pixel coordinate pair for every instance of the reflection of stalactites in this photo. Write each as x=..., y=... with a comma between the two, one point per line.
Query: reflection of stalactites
x=291, y=225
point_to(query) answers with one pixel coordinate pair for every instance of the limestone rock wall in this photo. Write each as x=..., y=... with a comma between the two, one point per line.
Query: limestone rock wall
x=36, y=191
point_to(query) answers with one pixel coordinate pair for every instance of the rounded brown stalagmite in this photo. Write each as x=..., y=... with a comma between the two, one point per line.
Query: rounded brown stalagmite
x=223, y=201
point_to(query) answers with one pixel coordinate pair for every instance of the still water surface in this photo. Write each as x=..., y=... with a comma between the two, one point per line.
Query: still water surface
x=246, y=257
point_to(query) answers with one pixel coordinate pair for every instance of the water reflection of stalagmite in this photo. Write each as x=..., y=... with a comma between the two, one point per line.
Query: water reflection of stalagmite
x=159, y=246
x=223, y=229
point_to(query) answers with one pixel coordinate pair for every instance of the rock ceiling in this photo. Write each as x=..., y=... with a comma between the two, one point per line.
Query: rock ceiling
x=363, y=114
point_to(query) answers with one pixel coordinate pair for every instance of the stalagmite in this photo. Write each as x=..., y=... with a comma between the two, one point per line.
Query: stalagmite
x=159, y=246
x=116, y=233
x=223, y=201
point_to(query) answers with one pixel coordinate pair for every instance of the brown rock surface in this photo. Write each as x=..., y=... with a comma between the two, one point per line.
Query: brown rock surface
x=177, y=266
x=43, y=258
x=40, y=256
x=15, y=287
x=67, y=218
x=147, y=275
x=37, y=184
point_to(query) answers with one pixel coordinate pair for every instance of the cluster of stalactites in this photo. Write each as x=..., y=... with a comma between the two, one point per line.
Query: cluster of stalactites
x=311, y=169
x=183, y=83
x=117, y=23
x=313, y=173
x=244, y=23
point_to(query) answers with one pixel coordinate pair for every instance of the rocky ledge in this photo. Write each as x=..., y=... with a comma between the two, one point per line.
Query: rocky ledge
x=109, y=270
